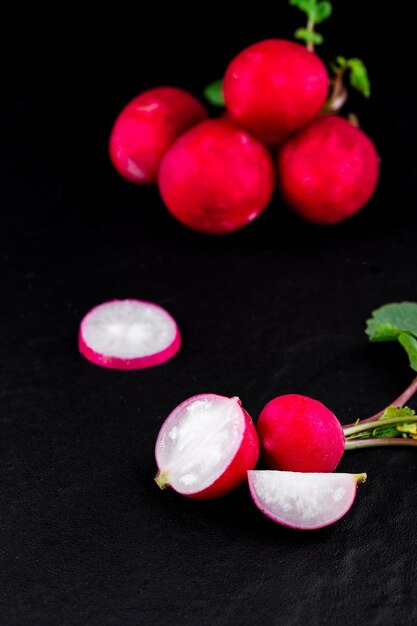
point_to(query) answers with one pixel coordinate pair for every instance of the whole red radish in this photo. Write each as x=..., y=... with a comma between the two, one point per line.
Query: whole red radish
x=216, y=178
x=146, y=128
x=205, y=447
x=274, y=88
x=328, y=171
x=299, y=434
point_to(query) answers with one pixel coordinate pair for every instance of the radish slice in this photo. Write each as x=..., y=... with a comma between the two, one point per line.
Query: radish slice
x=128, y=335
x=205, y=447
x=302, y=500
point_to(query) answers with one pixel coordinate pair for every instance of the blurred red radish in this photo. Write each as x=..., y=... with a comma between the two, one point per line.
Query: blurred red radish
x=205, y=447
x=128, y=334
x=216, y=178
x=303, y=501
x=328, y=171
x=146, y=128
x=300, y=434
x=274, y=88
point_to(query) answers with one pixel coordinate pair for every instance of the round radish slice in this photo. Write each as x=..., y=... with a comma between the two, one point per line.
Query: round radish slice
x=205, y=447
x=302, y=500
x=128, y=335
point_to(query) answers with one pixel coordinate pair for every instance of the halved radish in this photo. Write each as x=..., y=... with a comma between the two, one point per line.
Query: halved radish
x=205, y=447
x=302, y=500
x=128, y=334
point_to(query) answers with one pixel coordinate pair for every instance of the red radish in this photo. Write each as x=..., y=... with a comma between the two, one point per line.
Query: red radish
x=275, y=87
x=146, y=128
x=300, y=434
x=205, y=447
x=216, y=178
x=303, y=501
x=328, y=171
x=128, y=335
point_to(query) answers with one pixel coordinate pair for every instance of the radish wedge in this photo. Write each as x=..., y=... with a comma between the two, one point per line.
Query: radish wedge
x=128, y=335
x=304, y=501
x=205, y=447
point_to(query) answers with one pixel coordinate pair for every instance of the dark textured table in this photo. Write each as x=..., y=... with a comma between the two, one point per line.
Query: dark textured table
x=86, y=536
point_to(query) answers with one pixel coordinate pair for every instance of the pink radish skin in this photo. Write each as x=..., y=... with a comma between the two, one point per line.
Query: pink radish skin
x=328, y=171
x=147, y=126
x=216, y=178
x=205, y=447
x=303, y=501
x=119, y=335
x=300, y=434
x=275, y=87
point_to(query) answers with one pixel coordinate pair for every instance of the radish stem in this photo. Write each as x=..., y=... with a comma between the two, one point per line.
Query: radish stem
x=355, y=444
x=353, y=430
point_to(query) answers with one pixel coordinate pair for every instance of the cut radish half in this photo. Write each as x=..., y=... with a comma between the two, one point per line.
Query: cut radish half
x=128, y=335
x=205, y=447
x=302, y=500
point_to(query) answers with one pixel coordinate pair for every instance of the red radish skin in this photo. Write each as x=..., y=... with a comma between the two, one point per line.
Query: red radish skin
x=300, y=434
x=303, y=501
x=243, y=451
x=275, y=87
x=216, y=178
x=128, y=335
x=146, y=128
x=328, y=171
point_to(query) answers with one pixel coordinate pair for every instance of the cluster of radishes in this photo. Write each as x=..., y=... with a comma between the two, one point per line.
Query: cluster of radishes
x=208, y=446
x=279, y=128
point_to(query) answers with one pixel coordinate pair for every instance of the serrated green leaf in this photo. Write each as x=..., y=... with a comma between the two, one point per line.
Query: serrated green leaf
x=323, y=11
x=308, y=36
x=409, y=343
x=390, y=320
x=397, y=411
x=213, y=93
x=359, y=76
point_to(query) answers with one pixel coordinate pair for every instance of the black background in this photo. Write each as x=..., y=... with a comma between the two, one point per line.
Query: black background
x=86, y=536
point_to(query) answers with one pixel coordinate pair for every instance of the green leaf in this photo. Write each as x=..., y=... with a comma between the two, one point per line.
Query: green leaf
x=359, y=76
x=307, y=6
x=396, y=322
x=213, y=93
x=390, y=320
x=397, y=411
x=409, y=343
x=308, y=36
x=323, y=11
x=386, y=432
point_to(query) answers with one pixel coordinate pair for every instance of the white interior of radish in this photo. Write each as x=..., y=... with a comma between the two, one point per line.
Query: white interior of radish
x=128, y=329
x=302, y=500
x=199, y=440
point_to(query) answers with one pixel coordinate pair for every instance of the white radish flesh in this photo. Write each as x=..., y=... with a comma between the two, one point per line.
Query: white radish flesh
x=198, y=441
x=301, y=500
x=128, y=334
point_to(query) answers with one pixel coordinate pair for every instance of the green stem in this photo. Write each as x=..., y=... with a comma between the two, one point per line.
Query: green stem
x=355, y=444
x=359, y=428
x=310, y=28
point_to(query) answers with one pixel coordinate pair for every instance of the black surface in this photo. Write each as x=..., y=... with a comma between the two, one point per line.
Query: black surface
x=86, y=536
